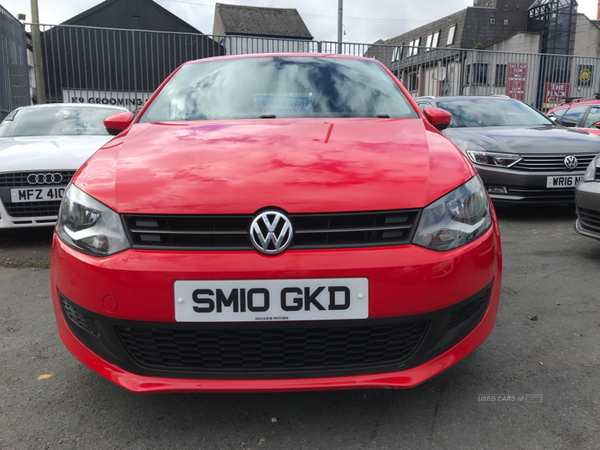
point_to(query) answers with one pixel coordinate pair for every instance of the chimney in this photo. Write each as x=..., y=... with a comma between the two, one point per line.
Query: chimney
x=598, y=18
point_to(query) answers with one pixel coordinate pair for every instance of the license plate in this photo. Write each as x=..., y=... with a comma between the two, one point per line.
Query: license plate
x=271, y=300
x=41, y=194
x=561, y=182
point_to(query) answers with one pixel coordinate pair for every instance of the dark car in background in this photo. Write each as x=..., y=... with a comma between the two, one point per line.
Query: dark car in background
x=521, y=155
x=587, y=200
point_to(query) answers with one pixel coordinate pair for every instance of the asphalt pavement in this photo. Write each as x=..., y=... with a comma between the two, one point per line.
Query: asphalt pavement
x=533, y=384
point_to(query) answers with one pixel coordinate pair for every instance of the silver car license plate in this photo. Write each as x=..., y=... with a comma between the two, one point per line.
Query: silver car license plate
x=41, y=194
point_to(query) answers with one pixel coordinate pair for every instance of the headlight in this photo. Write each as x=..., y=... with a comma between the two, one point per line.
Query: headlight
x=493, y=159
x=590, y=173
x=88, y=226
x=479, y=155
x=456, y=219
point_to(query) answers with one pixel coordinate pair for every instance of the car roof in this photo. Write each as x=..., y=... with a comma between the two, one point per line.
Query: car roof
x=273, y=55
x=463, y=97
x=590, y=102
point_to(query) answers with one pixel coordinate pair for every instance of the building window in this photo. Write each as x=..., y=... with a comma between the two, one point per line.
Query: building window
x=428, y=42
x=500, y=77
x=436, y=39
x=433, y=41
x=451, y=33
x=413, y=50
x=477, y=74
x=506, y=22
x=396, y=55
x=413, y=81
x=492, y=21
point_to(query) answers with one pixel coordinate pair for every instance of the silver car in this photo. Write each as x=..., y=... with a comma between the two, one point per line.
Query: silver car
x=41, y=148
x=587, y=200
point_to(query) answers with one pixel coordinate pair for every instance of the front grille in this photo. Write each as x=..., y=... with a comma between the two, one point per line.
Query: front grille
x=79, y=319
x=33, y=209
x=311, y=231
x=553, y=163
x=538, y=194
x=19, y=179
x=589, y=220
x=288, y=347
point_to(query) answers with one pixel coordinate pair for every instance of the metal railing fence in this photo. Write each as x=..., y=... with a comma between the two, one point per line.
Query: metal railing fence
x=123, y=67
x=14, y=72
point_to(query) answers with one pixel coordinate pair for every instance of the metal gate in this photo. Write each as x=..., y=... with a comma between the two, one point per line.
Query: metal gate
x=14, y=72
x=123, y=67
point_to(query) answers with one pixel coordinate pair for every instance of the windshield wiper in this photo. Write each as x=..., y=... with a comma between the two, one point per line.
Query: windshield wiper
x=267, y=116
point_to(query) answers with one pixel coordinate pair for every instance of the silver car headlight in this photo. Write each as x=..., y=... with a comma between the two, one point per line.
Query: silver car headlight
x=89, y=226
x=479, y=155
x=456, y=219
x=590, y=172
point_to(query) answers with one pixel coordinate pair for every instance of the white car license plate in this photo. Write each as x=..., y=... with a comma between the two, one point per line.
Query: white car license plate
x=563, y=181
x=271, y=300
x=41, y=194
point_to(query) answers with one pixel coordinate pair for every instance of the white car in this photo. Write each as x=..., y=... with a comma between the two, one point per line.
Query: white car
x=41, y=148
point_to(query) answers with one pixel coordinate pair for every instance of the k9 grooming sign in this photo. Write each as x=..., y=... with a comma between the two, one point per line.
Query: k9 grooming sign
x=129, y=100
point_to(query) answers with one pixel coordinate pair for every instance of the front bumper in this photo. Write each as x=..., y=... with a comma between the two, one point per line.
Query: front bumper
x=41, y=219
x=406, y=285
x=526, y=186
x=587, y=200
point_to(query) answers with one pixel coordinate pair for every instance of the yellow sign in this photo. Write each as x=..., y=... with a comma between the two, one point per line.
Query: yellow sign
x=585, y=75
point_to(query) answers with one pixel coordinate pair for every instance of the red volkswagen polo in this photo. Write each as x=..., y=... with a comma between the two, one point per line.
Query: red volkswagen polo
x=271, y=223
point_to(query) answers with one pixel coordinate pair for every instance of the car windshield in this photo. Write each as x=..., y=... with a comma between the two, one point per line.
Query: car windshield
x=279, y=87
x=56, y=121
x=491, y=112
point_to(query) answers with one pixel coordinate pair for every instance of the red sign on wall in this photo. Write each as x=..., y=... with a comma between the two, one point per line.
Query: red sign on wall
x=517, y=76
x=555, y=93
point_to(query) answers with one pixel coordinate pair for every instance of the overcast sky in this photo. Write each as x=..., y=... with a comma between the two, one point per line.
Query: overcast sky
x=365, y=21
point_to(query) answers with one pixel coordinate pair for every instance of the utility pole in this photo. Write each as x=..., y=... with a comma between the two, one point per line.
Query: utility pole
x=37, y=54
x=340, y=24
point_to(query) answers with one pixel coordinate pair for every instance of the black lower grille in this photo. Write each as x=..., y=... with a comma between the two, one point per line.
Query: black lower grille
x=589, y=220
x=542, y=194
x=471, y=309
x=275, y=349
x=270, y=350
x=33, y=209
x=78, y=318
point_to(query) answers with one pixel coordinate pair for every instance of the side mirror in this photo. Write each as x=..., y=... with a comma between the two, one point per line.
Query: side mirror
x=597, y=125
x=118, y=122
x=553, y=119
x=439, y=118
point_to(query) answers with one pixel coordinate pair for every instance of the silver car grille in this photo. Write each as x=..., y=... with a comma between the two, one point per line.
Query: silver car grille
x=546, y=163
x=19, y=179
